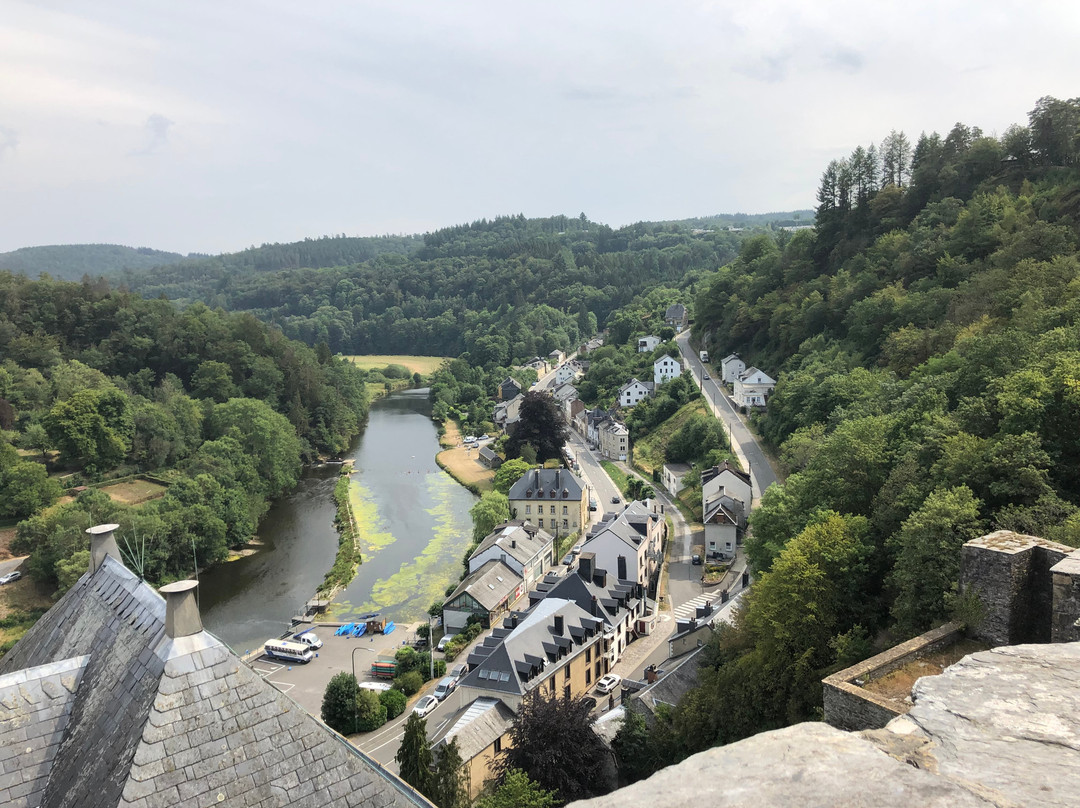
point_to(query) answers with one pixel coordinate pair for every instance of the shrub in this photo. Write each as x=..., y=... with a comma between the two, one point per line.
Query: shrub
x=440, y=668
x=394, y=701
x=370, y=711
x=409, y=683
x=338, y=702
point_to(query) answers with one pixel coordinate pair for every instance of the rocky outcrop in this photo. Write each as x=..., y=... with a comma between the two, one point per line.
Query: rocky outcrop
x=1000, y=728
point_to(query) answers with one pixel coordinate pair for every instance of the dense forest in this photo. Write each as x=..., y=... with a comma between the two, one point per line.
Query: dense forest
x=927, y=336
x=500, y=291
x=99, y=384
x=70, y=262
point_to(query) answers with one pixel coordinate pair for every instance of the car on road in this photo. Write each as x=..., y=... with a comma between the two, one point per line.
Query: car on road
x=459, y=671
x=608, y=683
x=568, y=560
x=589, y=702
x=705, y=377
x=10, y=577
x=614, y=500
x=425, y=705
x=696, y=560
x=445, y=687
x=444, y=641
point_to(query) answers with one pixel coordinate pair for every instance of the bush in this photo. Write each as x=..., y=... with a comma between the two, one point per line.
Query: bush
x=370, y=711
x=394, y=701
x=338, y=702
x=409, y=683
x=440, y=668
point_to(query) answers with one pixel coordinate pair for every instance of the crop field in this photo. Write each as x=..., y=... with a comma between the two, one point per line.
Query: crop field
x=416, y=364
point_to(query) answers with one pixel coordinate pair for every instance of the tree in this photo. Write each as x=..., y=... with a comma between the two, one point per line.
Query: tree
x=414, y=755
x=632, y=748
x=93, y=427
x=928, y=557
x=492, y=509
x=449, y=785
x=265, y=435
x=553, y=742
x=509, y=473
x=394, y=701
x=25, y=489
x=339, y=703
x=517, y=791
x=370, y=711
x=213, y=380
x=540, y=425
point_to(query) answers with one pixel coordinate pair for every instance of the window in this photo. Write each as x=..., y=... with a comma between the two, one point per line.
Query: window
x=565, y=525
x=588, y=676
x=552, y=510
x=540, y=523
x=588, y=655
x=564, y=510
x=498, y=745
x=528, y=509
x=566, y=693
x=567, y=672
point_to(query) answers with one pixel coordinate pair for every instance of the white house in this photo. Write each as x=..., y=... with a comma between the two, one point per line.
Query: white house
x=629, y=546
x=726, y=479
x=527, y=550
x=725, y=519
x=508, y=412
x=752, y=388
x=634, y=392
x=673, y=476
x=731, y=367
x=647, y=344
x=665, y=369
x=567, y=372
x=614, y=440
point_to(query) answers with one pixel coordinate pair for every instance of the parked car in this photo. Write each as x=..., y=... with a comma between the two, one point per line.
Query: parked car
x=608, y=683
x=705, y=377
x=308, y=638
x=445, y=639
x=445, y=687
x=425, y=705
x=592, y=504
x=459, y=671
x=589, y=702
x=614, y=500
x=568, y=560
x=10, y=577
x=696, y=560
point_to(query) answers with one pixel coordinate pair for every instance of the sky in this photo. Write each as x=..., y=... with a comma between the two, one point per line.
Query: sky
x=213, y=126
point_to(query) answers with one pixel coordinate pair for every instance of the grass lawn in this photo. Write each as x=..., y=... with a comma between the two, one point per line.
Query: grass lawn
x=416, y=364
x=617, y=475
x=134, y=492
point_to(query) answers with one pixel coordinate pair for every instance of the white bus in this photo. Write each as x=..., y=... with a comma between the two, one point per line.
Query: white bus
x=288, y=651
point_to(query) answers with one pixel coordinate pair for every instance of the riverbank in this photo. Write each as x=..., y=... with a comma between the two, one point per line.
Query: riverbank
x=463, y=463
x=349, y=557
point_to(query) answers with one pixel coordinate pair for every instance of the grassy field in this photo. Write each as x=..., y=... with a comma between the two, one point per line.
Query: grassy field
x=649, y=451
x=416, y=364
x=134, y=492
x=463, y=464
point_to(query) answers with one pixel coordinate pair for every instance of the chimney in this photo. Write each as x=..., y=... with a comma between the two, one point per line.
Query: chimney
x=102, y=543
x=600, y=578
x=558, y=624
x=594, y=611
x=586, y=562
x=181, y=610
x=513, y=544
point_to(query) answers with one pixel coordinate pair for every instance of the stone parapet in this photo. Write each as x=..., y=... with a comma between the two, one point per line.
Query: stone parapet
x=850, y=706
x=1066, y=583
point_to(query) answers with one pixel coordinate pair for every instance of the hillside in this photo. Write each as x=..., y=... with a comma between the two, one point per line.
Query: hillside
x=926, y=338
x=70, y=262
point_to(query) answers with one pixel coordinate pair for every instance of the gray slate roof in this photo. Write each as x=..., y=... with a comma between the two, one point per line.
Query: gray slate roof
x=539, y=483
x=518, y=539
x=490, y=585
x=476, y=726
x=154, y=721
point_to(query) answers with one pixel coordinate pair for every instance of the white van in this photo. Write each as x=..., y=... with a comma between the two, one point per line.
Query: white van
x=288, y=651
x=310, y=639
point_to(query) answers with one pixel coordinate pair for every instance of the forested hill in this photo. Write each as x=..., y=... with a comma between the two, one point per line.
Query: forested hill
x=70, y=262
x=926, y=340
x=502, y=290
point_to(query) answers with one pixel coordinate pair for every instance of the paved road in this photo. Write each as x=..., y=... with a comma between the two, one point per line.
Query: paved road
x=743, y=442
x=602, y=488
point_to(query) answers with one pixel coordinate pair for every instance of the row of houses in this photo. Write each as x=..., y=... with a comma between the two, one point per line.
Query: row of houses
x=635, y=391
x=574, y=628
x=750, y=387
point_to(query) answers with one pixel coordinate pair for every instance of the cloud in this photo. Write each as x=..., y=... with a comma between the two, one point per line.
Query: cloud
x=9, y=139
x=155, y=135
x=845, y=60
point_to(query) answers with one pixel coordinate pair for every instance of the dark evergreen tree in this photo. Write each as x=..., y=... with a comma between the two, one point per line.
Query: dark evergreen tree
x=541, y=426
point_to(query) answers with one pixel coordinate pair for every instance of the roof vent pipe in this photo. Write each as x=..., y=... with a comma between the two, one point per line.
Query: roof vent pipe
x=181, y=609
x=102, y=543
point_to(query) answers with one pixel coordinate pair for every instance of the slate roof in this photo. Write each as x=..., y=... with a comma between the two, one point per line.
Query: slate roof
x=723, y=510
x=490, y=585
x=675, y=311
x=605, y=602
x=716, y=471
x=513, y=658
x=155, y=721
x=751, y=371
x=671, y=687
x=476, y=726
x=519, y=539
x=540, y=483
x=650, y=386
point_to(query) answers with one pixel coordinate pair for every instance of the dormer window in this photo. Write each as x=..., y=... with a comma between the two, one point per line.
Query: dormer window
x=528, y=493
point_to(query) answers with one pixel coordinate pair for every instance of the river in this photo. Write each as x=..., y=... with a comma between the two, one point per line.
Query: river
x=414, y=526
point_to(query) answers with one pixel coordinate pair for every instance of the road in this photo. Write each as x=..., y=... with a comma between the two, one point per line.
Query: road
x=743, y=442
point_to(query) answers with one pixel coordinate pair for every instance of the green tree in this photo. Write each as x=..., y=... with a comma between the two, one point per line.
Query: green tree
x=93, y=427
x=339, y=703
x=266, y=436
x=394, y=701
x=70, y=570
x=25, y=489
x=492, y=509
x=509, y=473
x=370, y=711
x=414, y=755
x=517, y=791
x=449, y=780
x=633, y=750
x=928, y=557
x=213, y=380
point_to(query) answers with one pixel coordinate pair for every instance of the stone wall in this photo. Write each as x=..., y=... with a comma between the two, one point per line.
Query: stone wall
x=1066, y=583
x=848, y=705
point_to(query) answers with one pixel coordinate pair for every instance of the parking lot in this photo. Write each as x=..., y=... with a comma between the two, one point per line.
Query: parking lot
x=305, y=683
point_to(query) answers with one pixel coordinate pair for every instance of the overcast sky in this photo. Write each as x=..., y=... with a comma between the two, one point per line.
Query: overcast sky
x=212, y=126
